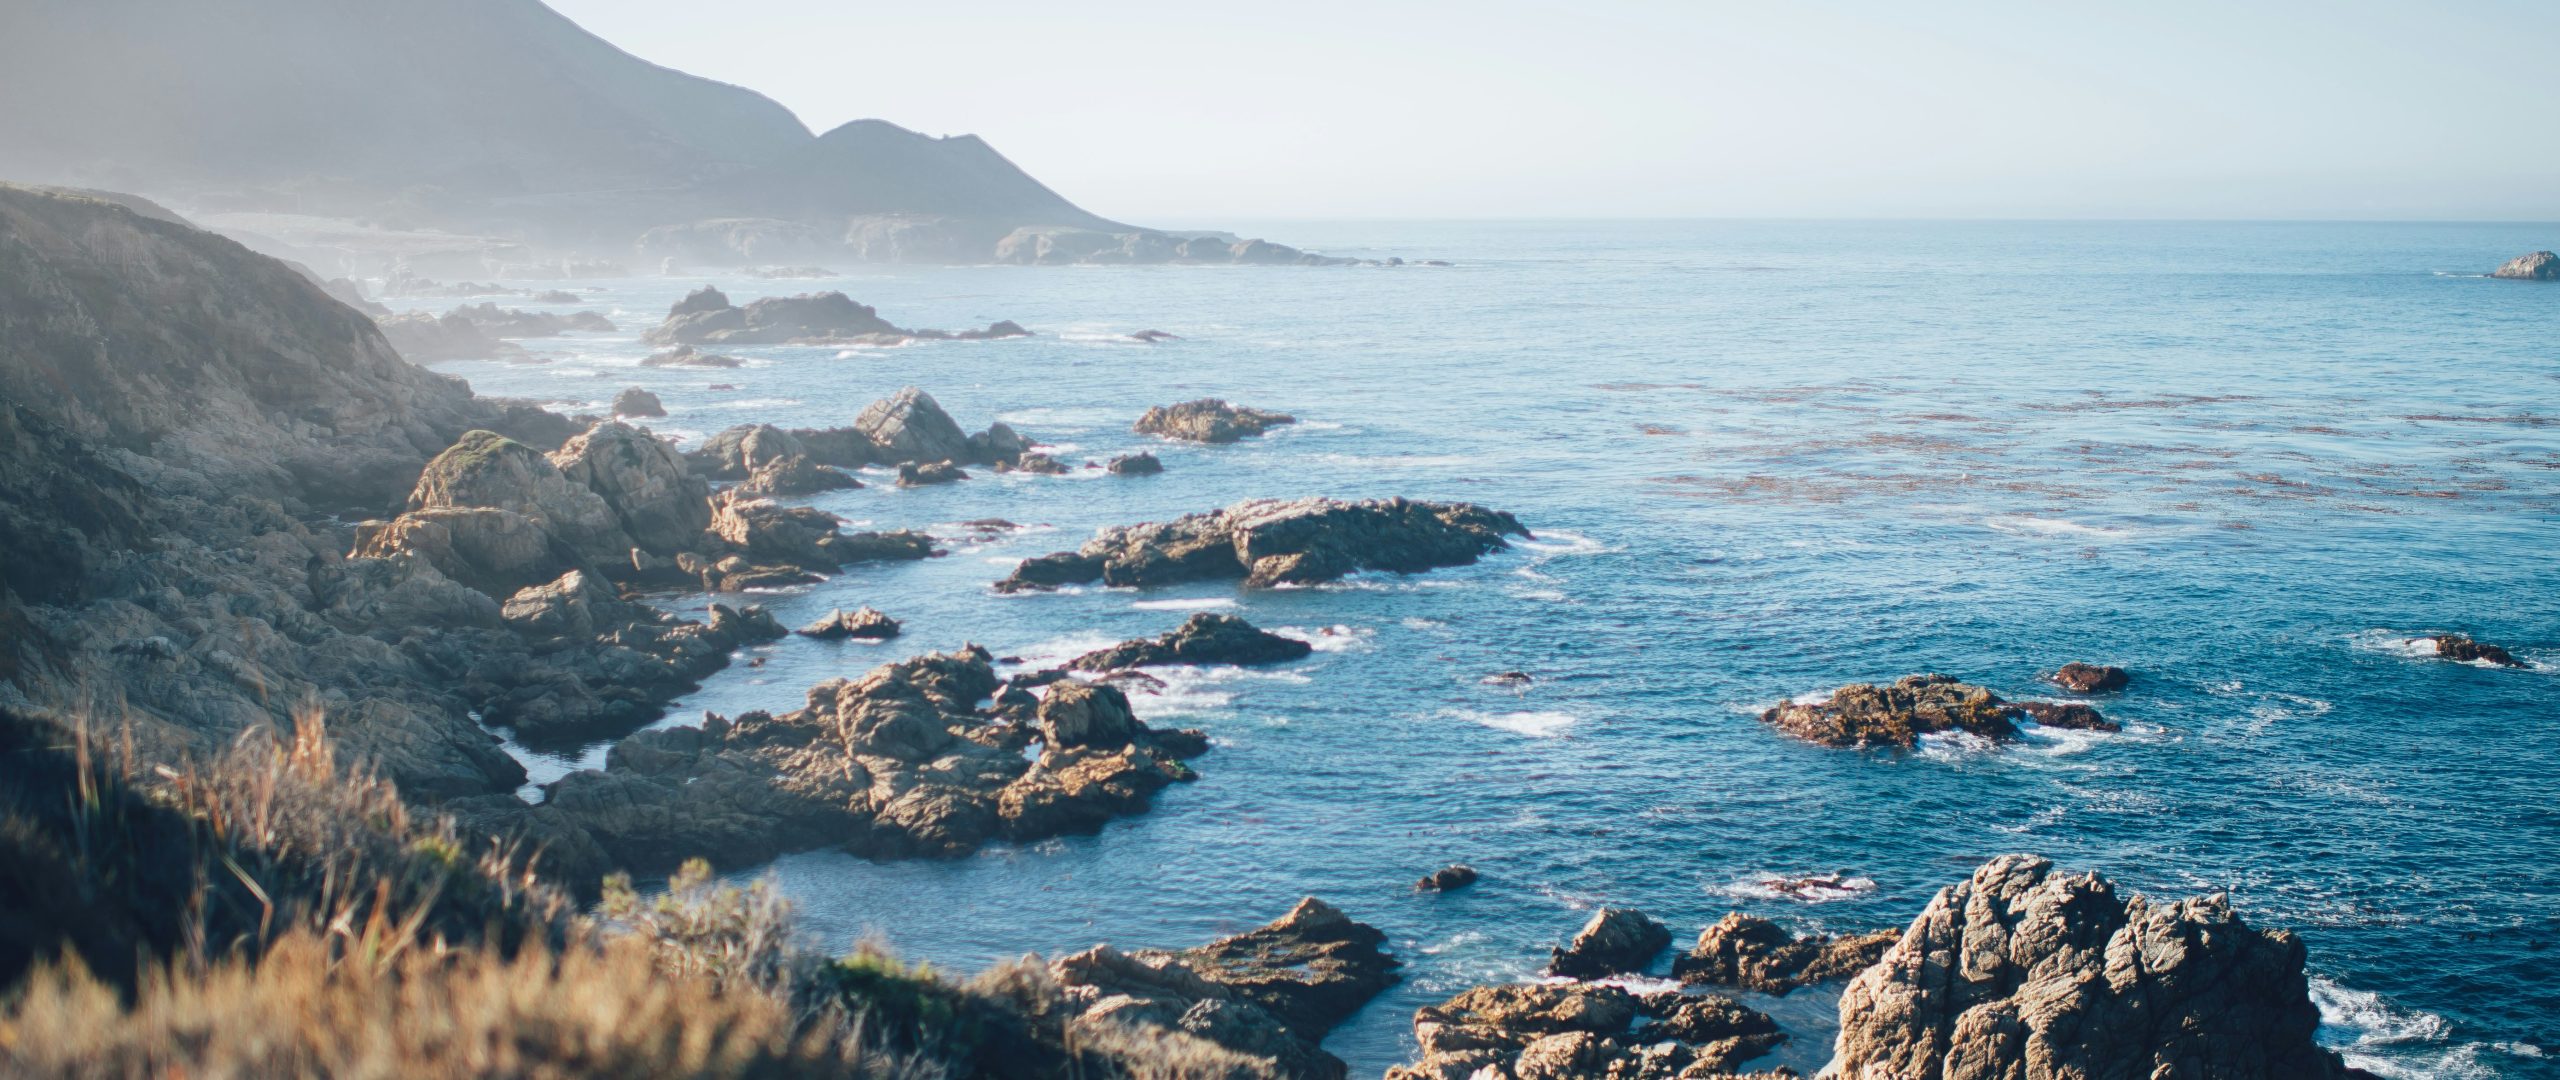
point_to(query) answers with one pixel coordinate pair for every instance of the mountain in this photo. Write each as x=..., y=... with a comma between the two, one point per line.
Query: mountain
x=490, y=118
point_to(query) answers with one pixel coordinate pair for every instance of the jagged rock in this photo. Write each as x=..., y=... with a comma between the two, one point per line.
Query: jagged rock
x=796, y=476
x=2071, y=715
x=1272, y=992
x=1153, y=336
x=1752, y=953
x=2460, y=647
x=2538, y=266
x=735, y=453
x=2028, y=973
x=566, y=608
x=909, y=426
x=999, y=445
x=486, y=469
x=1138, y=464
x=1270, y=542
x=1569, y=1031
x=661, y=506
x=1083, y=714
x=1205, y=638
x=1864, y=714
x=512, y=323
x=494, y=551
x=898, y=763
x=2082, y=678
x=745, y=625
x=636, y=402
x=1208, y=420
x=763, y=529
x=688, y=356
x=1615, y=941
x=865, y=624
x=1453, y=876
x=927, y=474
x=1037, y=464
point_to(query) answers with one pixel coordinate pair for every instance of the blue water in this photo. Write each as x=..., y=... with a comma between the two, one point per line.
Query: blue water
x=1764, y=459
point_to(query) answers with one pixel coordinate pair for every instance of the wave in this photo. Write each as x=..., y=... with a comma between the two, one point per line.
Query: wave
x=1556, y=543
x=1335, y=638
x=1533, y=723
x=1203, y=603
x=2025, y=525
x=2401, y=1043
x=1800, y=888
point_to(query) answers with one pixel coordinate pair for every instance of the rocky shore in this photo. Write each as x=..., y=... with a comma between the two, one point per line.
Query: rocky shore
x=705, y=317
x=1268, y=542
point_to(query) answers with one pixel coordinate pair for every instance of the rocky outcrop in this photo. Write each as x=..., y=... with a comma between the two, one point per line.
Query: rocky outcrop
x=2082, y=678
x=1205, y=638
x=706, y=317
x=1138, y=464
x=688, y=356
x=1037, y=464
x=736, y=453
x=1447, y=878
x=661, y=506
x=865, y=625
x=1864, y=714
x=2067, y=715
x=500, y=322
x=2460, y=647
x=1208, y=420
x=486, y=470
x=2029, y=973
x=1271, y=992
x=796, y=476
x=910, y=426
x=422, y=338
x=927, y=474
x=1616, y=941
x=1270, y=542
x=897, y=763
x=761, y=530
x=1747, y=952
x=1566, y=1031
x=2538, y=266
x=636, y=403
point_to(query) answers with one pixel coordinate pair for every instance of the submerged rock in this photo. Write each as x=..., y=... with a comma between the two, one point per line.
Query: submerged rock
x=706, y=317
x=1209, y=420
x=2538, y=266
x=1751, y=953
x=1270, y=542
x=1864, y=714
x=2070, y=715
x=1452, y=876
x=1205, y=638
x=864, y=624
x=1562, y=1031
x=2025, y=972
x=1615, y=941
x=1138, y=464
x=688, y=356
x=1036, y=464
x=2091, y=678
x=2460, y=647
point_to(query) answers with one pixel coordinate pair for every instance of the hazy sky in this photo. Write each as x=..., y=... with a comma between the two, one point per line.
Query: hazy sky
x=1167, y=111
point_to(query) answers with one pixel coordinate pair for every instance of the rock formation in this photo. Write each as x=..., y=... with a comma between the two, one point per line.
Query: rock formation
x=1447, y=878
x=706, y=317
x=1138, y=464
x=1566, y=1031
x=2538, y=266
x=1205, y=638
x=1751, y=953
x=2460, y=647
x=1864, y=714
x=688, y=356
x=865, y=624
x=929, y=473
x=2082, y=678
x=1208, y=420
x=910, y=426
x=2028, y=973
x=1616, y=941
x=1271, y=992
x=2069, y=715
x=636, y=403
x=898, y=763
x=422, y=338
x=796, y=475
x=1270, y=542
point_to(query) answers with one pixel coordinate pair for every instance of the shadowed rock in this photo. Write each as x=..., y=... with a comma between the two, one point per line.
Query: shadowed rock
x=928, y=474
x=865, y=624
x=1205, y=638
x=2070, y=715
x=910, y=426
x=1208, y=420
x=2538, y=266
x=706, y=317
x=796, y=476
x=1452, y=876
x=1615, y=941
x=1751, y=953
x=2460, y=647
x=1270, y=542
x=2091, y=678
x=1562, y=1031
x=638, y=403
x=1138, y=464
x=2025, y=972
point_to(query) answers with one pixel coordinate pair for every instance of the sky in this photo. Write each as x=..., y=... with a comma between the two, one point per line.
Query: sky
x=1179, y=111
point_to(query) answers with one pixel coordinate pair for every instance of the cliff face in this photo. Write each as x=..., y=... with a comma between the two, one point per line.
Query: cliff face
x=178, y=416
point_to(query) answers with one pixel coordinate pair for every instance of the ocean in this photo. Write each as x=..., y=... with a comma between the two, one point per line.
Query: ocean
x=2248, y=462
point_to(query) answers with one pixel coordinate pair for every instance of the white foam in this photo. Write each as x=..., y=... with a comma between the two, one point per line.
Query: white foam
x=1329, y=639
x=1802, y=889
x=2401, y=1043
x=2024, y=525
x=1535, y=724
x=1202, y=603
x=2393, y=642
x=1554, y=543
